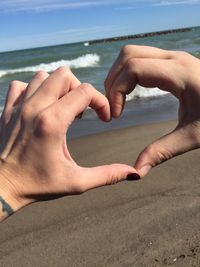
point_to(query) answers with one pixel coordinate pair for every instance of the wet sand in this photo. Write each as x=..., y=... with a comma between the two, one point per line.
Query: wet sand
x=152, y=222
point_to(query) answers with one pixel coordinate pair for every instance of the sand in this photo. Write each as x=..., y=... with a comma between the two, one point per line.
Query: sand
x=152, y=222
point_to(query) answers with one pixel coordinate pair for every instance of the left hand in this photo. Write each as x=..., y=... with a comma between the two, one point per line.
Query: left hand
x=36, y=163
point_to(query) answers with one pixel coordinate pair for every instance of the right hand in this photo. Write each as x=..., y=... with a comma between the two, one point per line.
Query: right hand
x=175, y=72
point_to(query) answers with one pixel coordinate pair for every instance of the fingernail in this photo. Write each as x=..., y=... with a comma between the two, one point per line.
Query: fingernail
x=144, y=170
x=133, y=177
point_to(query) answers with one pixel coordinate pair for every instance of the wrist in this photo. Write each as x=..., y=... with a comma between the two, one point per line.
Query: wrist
x=11, y=199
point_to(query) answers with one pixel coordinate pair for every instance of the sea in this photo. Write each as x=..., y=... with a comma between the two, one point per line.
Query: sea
x=91, y=63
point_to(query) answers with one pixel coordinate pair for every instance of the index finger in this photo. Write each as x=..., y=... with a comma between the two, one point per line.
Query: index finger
x=133, y=51
x=69, y=106
x=54, y=87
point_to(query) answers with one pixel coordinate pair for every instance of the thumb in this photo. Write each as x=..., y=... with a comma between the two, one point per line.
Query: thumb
x=107, y=175
x=175, y=143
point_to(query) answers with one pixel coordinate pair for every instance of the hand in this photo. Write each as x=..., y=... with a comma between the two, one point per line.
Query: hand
x=36, y=163
x=175, y=72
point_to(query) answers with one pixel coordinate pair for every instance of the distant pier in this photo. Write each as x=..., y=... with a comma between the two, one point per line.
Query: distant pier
x=141, y=35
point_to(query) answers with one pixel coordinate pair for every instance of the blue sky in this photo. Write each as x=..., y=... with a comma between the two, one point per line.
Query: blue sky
x=35, y=23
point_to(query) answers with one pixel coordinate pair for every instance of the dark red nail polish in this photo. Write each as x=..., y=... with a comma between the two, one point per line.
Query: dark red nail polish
x=133, y=177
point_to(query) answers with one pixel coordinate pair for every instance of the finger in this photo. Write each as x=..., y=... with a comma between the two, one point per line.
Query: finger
x=175, y=143
x=124, y=84
x=35, y=83
x=148, y=73
x=54, y=87
x=18, y=91
x=69, y=106
x=10, y=135
x=14, y=96
x=10, y=114
x=130, y=52
x=104, y=175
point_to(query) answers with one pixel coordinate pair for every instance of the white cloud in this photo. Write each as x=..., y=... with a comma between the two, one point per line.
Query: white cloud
x=125, y=8
x=178, y=2
x=9, y=6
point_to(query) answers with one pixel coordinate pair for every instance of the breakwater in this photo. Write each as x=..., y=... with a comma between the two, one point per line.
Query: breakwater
x=140, y=35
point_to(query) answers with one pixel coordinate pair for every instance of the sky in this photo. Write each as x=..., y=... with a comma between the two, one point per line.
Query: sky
x=36, y=23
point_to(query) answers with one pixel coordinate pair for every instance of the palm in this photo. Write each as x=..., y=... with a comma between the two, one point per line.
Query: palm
x=38, y=142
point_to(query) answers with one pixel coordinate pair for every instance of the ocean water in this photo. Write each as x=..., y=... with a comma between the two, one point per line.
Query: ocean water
x=91, y=63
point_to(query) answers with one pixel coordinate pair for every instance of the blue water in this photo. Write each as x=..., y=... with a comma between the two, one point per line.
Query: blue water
x=91, y=64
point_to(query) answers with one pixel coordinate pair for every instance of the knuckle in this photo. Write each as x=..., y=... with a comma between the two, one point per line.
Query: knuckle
x=113, y=176
x=85, y=89
x=183, y=54
x=111, y=170
x=86, y=86
x=41, y=74
x=132, y=65
x=26, y=111
x=180, y=55
x=14, y=84
x=43, y=124
x=126, y=49
x=63, y=71
x=132, y=62
x=150, y=153
x=163, y=155
x=157, y=156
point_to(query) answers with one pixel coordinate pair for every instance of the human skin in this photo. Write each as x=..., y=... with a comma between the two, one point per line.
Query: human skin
x=172, y=71
x=35, y=162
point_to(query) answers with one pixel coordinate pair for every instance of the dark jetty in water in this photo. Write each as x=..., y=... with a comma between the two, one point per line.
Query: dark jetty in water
x=141, y=35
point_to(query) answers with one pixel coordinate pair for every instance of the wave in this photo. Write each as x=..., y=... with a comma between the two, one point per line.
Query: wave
x=143, y=92
x=88, y=60
x=138, y=93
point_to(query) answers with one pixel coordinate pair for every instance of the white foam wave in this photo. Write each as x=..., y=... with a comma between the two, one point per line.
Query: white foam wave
x=88, y=60
x=143, y=92
x=2, y=73
x=139, y=92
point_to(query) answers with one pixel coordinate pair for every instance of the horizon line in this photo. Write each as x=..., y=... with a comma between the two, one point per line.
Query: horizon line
x=110, y=39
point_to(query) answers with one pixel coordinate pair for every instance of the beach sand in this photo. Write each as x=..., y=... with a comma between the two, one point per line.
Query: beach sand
x=152, y=222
